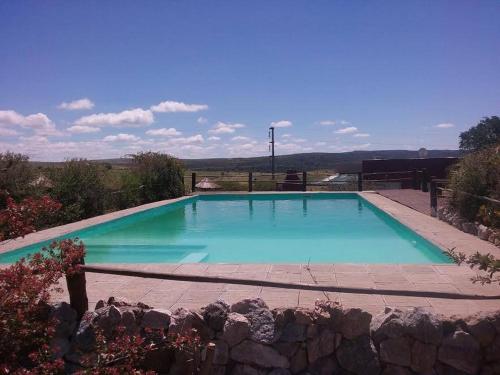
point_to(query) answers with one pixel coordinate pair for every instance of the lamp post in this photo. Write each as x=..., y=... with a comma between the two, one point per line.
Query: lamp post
x=271, y=146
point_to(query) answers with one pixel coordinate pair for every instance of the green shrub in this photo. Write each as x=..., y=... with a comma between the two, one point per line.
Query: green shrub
x=78, y=186
x=130, y=193
x=161, y=176
x=16, y=176
x=476, y=174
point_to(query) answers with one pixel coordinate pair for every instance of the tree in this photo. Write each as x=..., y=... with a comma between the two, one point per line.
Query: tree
x=16, y=175
x=161, y=176
x=79, y=188
x=483, y=135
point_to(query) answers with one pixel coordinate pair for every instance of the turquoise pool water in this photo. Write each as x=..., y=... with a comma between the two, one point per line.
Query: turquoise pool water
x=260, y=228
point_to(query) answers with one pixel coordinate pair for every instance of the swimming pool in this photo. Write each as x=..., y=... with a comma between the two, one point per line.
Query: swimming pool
x=255, y=228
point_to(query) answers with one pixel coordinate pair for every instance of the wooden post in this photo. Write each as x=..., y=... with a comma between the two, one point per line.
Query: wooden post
x=414, y=181
x=250, y=182
x=206, y=366
x=425, y=181
x=77, y=289
x=360, y=181
x=433, y=196
x=193, y=182
x=304, y=181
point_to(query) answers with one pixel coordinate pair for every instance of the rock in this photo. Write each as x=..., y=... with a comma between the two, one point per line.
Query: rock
x=156, y=319
x=262, y=328
x=119, y=301
x=321, y=346
x=64, y=318
x=324, y=366
x=423, y=357
x=215, y=314
x=303, y=316
x=108, y=319
x=129, y=322
x=218, y=370
x=328, y=312
x=492, y=238
x=299, y=361
x=247, y=370
x=293, y=332
x=247, y=305
x=100, y=304
x=492, y=352
x=221, y=354
x=358, y=356
x=236, y=329
x=483, y=232
x=387, y=325
x=183, y=321
x=287, y=349
x=423, y=326
x=396, y=370
x=461, y=352
x=279, y=371
x=355, y=322
x=469, y=227
x=396, y=351
x=85, y=335
x=282, y=317
x=253, y=353
x=481, y=328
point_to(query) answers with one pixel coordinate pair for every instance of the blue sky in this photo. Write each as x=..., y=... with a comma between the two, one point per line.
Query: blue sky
x=207, y=78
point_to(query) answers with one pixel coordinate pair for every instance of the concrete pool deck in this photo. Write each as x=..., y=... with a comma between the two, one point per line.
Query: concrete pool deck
x=173, y=294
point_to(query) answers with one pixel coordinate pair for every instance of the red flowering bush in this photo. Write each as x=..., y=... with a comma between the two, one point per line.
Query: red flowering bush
x=20, y=219
x=25, y=326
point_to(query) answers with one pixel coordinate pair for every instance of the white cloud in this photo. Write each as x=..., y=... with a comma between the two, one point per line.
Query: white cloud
x=320, y=144
x=348, y=130
x=40, y=123
x=7, y=132
x=445, y=125
x=286, y=135
x=79, y=104
x=214, y=138
x=361, y=135
x=131, y=117
x=122, y=137
x=328, y=122
x=198, y=138
x=164, y=132
x=281, y=124
x=225, y=128
x=239, y=138
x=171, y=106
x=202, y=120
x=78, y=129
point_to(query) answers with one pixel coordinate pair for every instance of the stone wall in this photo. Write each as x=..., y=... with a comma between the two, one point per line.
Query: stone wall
x=251, y=339
x=448, y=215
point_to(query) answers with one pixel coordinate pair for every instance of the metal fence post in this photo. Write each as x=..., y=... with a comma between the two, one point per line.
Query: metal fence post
x=414, y=180
x=360, y=181
x=304, y=181
x=425, y=180
x=193, y=182
x=433, y=196
x=250, y=182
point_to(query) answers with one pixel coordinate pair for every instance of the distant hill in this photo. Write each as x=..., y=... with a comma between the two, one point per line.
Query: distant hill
x=341, y=162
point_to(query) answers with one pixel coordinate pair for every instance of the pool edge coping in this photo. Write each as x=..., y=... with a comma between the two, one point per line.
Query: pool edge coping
x=437, y=232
